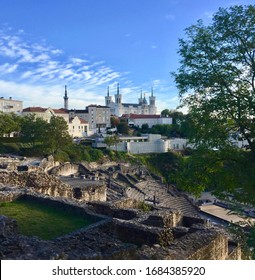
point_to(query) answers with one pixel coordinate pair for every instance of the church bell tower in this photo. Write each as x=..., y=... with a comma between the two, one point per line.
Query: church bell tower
x=66, y=99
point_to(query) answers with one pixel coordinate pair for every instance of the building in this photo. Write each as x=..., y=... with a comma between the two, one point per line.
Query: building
x=46, y=113
x=98, y=117
x=150, y=120
x=145, y=144
x=118, y=108
x=77, y=127
x=11, y=106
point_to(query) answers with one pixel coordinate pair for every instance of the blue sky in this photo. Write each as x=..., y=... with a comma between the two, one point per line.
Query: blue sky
x=91, y=44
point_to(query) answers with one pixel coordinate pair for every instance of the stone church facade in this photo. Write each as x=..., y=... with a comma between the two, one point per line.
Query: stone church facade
x=118, y=108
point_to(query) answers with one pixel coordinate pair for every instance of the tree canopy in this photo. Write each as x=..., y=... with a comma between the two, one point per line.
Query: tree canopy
x=216, y=81
x=216, y=78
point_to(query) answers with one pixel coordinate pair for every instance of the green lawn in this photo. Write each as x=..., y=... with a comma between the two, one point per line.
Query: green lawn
x=39, y=219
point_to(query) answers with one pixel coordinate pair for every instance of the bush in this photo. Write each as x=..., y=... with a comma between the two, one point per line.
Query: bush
x=96, y=154
x=61, y=156
x=12, y=148
x=29, y=151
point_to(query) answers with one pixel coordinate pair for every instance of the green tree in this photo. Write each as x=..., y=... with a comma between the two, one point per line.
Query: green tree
x=56, y=135
x=33, y=129
x=9, y=123
x=114, y=121
x=216, y=81
x=123, y=127
x=111, y=140
x=218, y=71
x=165, y=113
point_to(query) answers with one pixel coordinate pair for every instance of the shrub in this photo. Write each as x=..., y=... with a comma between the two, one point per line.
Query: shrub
x=61, y=156
x=11, y=148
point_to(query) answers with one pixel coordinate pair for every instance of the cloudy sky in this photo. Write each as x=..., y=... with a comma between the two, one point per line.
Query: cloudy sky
x=89, y=45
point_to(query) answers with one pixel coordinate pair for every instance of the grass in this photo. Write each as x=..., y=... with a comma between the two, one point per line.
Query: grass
x=38, y=219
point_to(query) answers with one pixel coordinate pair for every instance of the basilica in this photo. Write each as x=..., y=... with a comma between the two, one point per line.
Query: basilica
x=118, y=108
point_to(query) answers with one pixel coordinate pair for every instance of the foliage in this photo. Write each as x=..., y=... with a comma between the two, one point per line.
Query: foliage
x=245, y=237
x=123, y=127
x=166, y=165
x=61, y=156
x=224, y=172
x=12, y=148
x=33, y=129
x=56, y=135
x=217, y=69
x=114, y=121
x=112, y=140
x=144, y=206
x=9, y=123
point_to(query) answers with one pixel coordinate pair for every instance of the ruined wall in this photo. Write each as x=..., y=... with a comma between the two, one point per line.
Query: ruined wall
x=65, y=169
x=105, y=208
x=94, y=193
x=50, y=185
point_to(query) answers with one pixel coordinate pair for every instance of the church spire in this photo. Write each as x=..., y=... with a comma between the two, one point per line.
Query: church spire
x=108, y=91
x=66, y=99
x=118, y=89
x=151, y=91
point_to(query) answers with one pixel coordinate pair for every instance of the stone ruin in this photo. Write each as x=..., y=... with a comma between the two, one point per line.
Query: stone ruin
x=137, y=217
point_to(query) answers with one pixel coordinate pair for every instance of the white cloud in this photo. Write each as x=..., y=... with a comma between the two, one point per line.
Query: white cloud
x=170, y=17
x=8, y=68
x=208, y=15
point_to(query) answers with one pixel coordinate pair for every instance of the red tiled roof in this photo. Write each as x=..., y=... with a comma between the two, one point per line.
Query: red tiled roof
x=60, y=111
x=137, y=116
x=34, y=109
x=82, y=120
x=41, y=110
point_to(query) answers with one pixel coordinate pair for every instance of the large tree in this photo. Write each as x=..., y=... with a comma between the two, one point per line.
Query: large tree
x=57, y=136
x=216, y=77
x=32, y=130
x=9, y=123
x=216, y=81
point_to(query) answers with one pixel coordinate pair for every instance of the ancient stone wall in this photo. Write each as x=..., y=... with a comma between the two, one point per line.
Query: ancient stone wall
x=105, y=208
x=65, y=169
x=50, y=185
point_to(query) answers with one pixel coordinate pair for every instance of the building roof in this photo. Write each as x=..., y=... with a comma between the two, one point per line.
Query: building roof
x=42, y=110
x=83, y=121
x=9, y=99
x=97, y=106
x=137, y=116
x=34, y=109
x=60, y=111
x=81, y=111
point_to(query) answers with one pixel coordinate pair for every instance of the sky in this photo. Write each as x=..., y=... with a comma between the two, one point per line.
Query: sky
x=89, y=45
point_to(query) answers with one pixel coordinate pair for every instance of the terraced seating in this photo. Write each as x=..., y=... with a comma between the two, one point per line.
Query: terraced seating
x=156, y=191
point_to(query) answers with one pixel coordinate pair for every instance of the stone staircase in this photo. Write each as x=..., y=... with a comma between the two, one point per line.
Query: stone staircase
x=157, y=192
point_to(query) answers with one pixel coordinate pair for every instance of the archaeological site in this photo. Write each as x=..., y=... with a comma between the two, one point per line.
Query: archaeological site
x=134, y=215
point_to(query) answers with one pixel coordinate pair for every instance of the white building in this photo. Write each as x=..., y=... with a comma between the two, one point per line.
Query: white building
x=77, y=127
x=142, y=107
x=151, y=120
x=151, y=143
x=98, y=117
x=11, y=106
